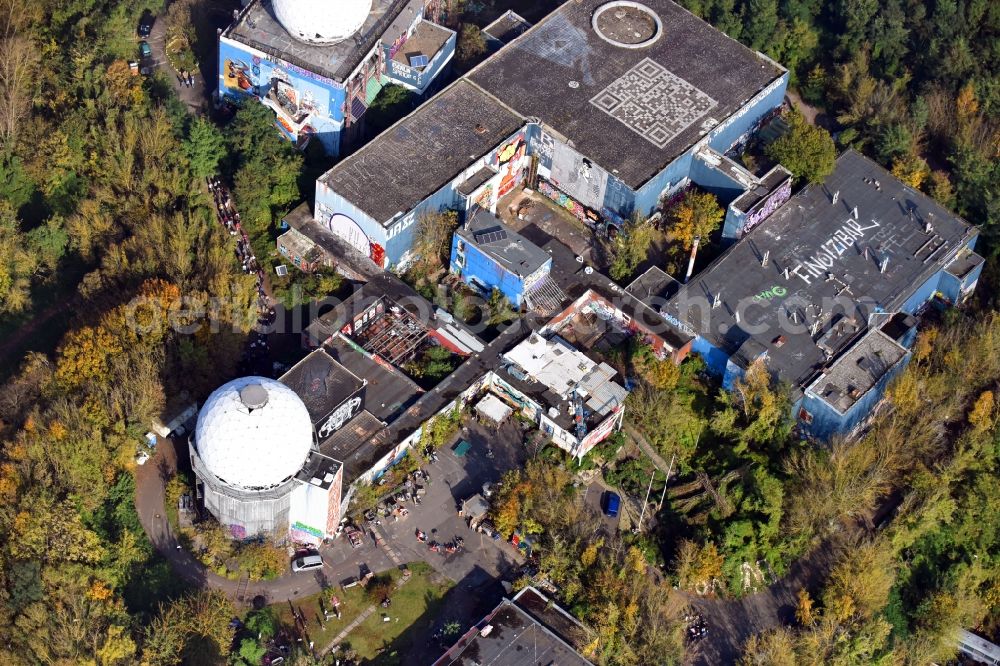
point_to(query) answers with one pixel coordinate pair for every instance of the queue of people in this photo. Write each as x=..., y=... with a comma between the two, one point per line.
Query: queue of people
x=229, y=217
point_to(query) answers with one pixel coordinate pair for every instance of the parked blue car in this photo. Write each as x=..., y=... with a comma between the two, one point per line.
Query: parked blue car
x=610, y=503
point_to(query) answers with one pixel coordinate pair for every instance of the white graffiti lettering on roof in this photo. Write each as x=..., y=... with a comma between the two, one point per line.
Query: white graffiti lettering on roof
x=339, y=417
x=830, y=251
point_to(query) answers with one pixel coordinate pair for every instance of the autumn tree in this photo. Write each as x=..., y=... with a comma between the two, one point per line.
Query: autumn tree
x=805, y=150
x=697, y=215
x=17, y=264
x=629, y=248
x=432, y=243
x=18, y=62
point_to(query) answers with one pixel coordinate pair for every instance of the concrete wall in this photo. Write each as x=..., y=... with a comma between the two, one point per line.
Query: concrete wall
x=330, y=204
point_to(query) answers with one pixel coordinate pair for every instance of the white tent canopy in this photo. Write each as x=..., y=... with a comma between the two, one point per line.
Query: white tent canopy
x=493, y=408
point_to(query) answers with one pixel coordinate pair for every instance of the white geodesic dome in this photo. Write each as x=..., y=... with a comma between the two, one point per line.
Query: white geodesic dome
x=253, y=433
x=321, y=21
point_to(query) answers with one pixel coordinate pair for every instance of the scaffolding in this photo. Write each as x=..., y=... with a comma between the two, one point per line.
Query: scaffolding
x=395, y=336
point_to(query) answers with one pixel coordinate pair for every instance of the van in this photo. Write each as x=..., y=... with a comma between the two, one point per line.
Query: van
x=610, y=503
x=307, y=563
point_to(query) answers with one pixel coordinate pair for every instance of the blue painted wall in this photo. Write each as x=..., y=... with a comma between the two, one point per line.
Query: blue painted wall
x=245, y=73
x=479, y=268
x=716, y=181
x=923, y=294
x=826, y=421
x=716, y=360
x=726, y=136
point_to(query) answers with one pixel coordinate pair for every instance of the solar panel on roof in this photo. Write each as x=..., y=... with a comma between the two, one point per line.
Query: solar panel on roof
x=419, y=60
x=488, y=237
x=358, y=108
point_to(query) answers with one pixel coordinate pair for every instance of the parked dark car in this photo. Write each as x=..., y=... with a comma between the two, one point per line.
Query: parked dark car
x=610, y=503
x=146, y=24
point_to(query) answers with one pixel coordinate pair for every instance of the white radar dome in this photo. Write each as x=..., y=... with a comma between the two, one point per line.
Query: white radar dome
x=321, y=21
x=253, y=433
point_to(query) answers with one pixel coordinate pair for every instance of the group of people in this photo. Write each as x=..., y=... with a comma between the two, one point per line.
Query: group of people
x=186, y=79
x=697, y=627
x=229, y=217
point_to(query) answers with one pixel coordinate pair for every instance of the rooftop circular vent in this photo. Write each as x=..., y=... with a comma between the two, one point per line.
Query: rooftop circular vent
x=630, y=25
x=254, y=396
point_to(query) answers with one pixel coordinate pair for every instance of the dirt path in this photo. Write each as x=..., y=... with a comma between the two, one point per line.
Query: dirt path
x=732, y=621
x=648, y=449
x=14, y=342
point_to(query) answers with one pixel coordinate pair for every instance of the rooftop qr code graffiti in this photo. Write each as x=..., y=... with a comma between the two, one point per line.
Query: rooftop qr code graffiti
x=653, y=102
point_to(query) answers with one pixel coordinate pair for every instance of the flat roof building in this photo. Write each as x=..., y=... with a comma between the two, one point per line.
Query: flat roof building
x=528, y=629
x=819, y=277
x=604, y=123
x=488, y=255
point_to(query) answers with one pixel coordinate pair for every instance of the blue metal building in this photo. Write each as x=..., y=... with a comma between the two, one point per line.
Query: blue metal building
x=488, y=255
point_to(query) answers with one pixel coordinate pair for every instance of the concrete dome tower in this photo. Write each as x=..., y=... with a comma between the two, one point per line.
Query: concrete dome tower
x=253, y=436
x=321, y=21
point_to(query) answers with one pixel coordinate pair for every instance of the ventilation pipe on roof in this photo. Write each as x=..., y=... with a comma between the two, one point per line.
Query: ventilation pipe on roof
x=854, y=213
x=694, y=253
x=763, y=261
x=883, y=264
x=836, y=195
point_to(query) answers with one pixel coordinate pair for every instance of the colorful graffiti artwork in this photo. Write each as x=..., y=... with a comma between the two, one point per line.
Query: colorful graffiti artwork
x=377, y=254
x=511, y=156
x=763, y=210
x=578, y=210
x=485, y=198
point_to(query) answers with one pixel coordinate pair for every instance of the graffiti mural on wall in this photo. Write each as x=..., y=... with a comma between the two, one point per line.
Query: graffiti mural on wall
x=578, y=210
x=543, y=146
x=352, y=232
x=763, y=210
x=510, y=160
x=485, y=198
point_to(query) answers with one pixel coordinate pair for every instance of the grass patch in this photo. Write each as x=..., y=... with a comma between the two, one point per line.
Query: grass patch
x=420, y=597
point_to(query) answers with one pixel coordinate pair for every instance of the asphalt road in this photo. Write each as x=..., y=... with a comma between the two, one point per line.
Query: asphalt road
x=194, y=96
x=452, y=478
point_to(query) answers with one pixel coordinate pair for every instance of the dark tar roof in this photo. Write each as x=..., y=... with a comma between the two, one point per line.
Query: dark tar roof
x=388, y=392
x=653, y=285
x=507, y=27
x=514, y=638
x=322, y=383
x=833, y=265
x=768, y=183
x=320, y=467
x=501, y=243
x=359, y=444
x=856, y=371
x=533, y=74
x=423, y=152
x=258, y=27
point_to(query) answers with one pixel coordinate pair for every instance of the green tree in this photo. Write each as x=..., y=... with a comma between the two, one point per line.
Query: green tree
x=17, y=265
x=805, y=150
x=499, y=309
x=471, y=45
x=204, y=146
x=630, y=247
